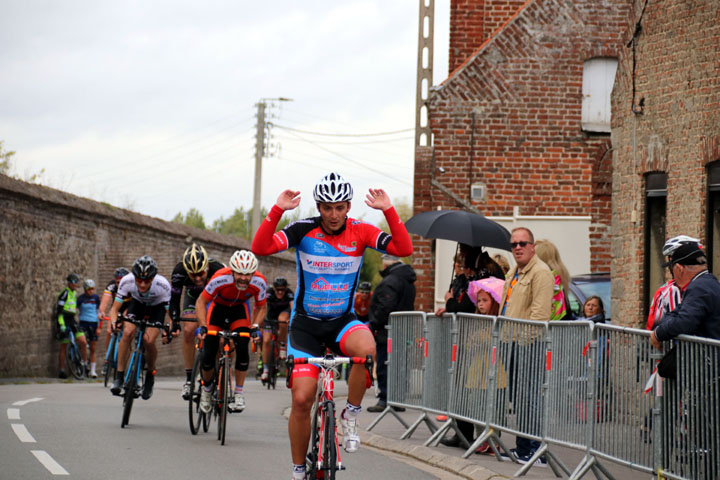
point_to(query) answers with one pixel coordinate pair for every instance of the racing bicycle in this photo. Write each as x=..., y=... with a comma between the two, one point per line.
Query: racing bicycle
x=323, y=457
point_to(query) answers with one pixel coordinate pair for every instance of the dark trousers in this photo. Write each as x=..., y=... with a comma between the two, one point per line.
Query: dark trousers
x=381, y=369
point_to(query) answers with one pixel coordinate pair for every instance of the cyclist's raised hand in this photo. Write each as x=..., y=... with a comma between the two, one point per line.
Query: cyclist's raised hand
x=288, y=200
x=378, y=199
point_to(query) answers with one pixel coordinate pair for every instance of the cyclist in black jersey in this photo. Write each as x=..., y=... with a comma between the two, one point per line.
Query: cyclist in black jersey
x=191, y=274
x=279, y=305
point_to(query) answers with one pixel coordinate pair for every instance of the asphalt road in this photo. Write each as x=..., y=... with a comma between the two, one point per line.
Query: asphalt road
x=73, y=429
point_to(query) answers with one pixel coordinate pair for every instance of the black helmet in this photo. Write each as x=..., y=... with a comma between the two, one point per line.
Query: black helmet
x=121, y=272
x=144, y=268
x=73, y=278
x=280, y=282
x=195, y=259
x=364, y=287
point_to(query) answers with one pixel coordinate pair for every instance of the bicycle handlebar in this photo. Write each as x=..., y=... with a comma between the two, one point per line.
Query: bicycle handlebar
x=331, y=361
x=226, y=334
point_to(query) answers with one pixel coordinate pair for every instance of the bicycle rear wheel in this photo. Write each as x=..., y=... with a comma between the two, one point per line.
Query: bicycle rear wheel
x=130, y=388
x=329, y=442
x=110, y=359
x=74, y=361
x=224, y=396
x=272, y=366
x=195, y=415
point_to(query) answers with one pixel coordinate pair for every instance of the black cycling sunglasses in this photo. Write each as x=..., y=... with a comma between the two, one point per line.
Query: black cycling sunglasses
x=519, y=244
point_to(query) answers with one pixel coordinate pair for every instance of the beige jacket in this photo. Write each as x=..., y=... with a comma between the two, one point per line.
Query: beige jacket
x=531, y=297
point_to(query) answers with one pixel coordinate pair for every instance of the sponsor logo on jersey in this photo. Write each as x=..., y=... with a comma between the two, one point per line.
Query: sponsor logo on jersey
x=347, y=249
x=322, y=285
x=320, y=265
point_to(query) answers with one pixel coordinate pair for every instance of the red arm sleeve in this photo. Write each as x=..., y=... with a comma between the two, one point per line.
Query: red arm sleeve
x=400, y=245
x=266, y=240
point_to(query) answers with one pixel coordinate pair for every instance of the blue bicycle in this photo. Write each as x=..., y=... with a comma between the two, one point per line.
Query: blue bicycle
x=111, y=355
x=73, y=359
x=135, y=375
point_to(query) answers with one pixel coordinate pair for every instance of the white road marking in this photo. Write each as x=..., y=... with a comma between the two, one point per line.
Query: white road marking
x=22, y=433
x=22, y=403
x=13, y=413
x=49, y=462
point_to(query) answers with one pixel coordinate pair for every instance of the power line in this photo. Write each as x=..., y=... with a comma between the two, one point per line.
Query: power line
x=392, y=140
x=328, y=134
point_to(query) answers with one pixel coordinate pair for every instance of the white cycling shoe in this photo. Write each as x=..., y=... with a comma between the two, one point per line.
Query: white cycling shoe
x=206, y=401
x=351, y=439
x=239, y=404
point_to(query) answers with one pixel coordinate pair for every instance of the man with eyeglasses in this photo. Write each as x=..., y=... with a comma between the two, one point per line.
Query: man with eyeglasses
x=192, y=274
x=528, y=292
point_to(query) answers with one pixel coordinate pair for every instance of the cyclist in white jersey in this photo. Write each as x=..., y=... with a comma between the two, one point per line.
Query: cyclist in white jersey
x=149, y=297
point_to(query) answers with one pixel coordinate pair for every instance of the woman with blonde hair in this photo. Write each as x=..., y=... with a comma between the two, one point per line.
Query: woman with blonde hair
x=548, y=253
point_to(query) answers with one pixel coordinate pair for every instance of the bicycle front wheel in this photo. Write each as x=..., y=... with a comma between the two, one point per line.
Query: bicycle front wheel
x=195, y=415
x=110, y=360
x=224, y=396
x=130, y=389
x=329, y=442
x=272, y=364
x=74, y=361
x=314, y=447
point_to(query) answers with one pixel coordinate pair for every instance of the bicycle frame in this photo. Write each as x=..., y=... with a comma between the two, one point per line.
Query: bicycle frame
x=72, y=355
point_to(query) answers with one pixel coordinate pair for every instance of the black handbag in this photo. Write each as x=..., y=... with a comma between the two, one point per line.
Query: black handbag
x=667, y=367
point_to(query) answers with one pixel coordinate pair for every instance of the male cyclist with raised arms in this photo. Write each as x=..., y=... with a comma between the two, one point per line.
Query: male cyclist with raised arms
x=149, y=295
x=228, y=295
x=329, y=251
x=192, y=273
x=280, y=304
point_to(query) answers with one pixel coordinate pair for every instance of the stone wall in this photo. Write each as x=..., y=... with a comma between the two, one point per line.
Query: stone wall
x=46, y=234
x=666, y=118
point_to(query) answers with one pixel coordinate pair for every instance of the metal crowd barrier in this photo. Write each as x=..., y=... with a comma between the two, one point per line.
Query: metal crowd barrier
x=405, y=368
x=571, y=384
x=690, y=434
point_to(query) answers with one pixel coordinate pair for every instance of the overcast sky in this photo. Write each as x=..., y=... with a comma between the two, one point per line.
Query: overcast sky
x=151, y=105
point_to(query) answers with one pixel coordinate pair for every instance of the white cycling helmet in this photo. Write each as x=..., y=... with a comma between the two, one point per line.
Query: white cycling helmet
x=675, y=243
x=333, y=188
x=243, y=262
x=88, y=284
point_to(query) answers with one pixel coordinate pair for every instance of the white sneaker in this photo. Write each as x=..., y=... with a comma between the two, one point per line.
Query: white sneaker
x=239, y=404
x=206, y=401
x=264, y=377
x=186, y=391
x=283, y=353
x=351, y=439
x=93, y=374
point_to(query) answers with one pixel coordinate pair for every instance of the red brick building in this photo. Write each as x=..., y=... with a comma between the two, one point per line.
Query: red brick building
x=666, y=140
x=509, y=120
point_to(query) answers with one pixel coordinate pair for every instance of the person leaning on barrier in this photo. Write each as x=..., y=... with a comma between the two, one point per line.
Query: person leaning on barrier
x=528, y=294
x=699, y=312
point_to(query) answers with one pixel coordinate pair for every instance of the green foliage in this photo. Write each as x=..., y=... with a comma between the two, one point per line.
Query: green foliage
x=192, y=218
x=240, y=222
x=5, y=160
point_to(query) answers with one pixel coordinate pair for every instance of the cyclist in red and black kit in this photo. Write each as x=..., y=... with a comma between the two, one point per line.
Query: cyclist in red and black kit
x=228, y=294
x=280, y=303
x=191, y=273
x=329, y=250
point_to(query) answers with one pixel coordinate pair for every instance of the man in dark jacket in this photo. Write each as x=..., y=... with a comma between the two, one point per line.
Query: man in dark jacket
x=395, y=293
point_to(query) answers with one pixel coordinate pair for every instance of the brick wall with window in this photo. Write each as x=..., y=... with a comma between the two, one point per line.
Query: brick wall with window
x=674, y=89
x=510, y=117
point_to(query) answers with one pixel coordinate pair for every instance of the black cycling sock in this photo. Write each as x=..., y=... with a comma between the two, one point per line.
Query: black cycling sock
x=188, y=374
x=119, y=374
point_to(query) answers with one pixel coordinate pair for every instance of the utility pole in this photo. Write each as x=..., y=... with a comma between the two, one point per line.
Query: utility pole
x=423, y=134
x=261, y=151
x=259, y=154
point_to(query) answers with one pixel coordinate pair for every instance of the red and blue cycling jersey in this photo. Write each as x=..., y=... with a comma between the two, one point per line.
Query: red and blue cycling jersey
x=328, y=264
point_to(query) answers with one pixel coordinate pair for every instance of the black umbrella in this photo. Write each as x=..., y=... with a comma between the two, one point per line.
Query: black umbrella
x=460, y=226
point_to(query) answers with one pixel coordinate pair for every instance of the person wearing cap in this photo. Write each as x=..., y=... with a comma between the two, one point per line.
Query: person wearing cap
x=699, y=312
x=87, y=305
x=362, y=302
x=395, y=293
x=65, y=316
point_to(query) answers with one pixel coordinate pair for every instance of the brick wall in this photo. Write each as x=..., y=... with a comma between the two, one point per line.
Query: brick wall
x=510, y=117
x=472, y=22
x=677, y=74
x=45, y=234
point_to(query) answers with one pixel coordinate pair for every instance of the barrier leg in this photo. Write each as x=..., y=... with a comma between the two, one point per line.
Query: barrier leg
x=552, y=460
x=423, y=418
x=392, y=412
x=435, y=437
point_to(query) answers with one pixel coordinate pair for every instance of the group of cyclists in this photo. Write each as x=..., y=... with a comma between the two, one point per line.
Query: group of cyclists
x=319, y=315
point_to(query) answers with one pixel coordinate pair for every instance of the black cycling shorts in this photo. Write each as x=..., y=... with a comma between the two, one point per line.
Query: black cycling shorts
x=310, y=337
